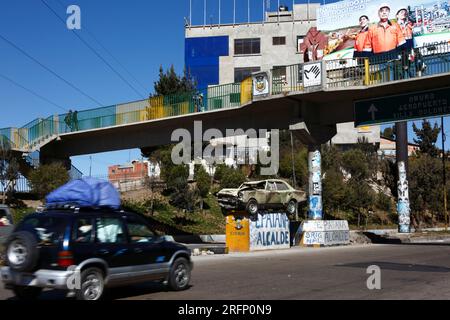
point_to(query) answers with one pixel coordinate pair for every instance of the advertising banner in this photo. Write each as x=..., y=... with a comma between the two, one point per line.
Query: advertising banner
x=363, y=27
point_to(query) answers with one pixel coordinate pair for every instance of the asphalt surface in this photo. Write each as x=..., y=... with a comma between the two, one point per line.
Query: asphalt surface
x=407, y=272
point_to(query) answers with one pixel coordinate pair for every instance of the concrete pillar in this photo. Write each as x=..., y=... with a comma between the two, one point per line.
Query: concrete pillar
x=403, y=206
x=315, y=211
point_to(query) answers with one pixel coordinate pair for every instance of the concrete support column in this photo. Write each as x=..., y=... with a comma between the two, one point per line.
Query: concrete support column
x=403, y=206
x=315, y=211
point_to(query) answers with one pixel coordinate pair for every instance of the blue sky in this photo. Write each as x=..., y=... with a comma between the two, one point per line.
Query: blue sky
x=141, y=34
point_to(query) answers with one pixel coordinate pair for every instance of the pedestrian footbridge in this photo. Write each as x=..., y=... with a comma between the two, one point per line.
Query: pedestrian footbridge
x=288, y=101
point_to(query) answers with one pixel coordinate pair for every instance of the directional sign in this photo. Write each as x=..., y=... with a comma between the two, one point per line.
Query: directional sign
x=415, y=105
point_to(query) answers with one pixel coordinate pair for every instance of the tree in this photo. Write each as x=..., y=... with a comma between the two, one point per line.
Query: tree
x=300, y=164
x=425, y=186
x=389, y=133
x=229, y=177
x=171, y=83
x=427, y=137
x=203, y=183
x=47, y=178
x=9, y=168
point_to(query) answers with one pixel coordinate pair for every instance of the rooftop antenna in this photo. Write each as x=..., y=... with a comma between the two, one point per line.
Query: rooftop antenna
x=264, y=11
x=204, y=14
x=190, y=13
x=278, y=12
x=248, y=12
x=234, y=12
x=293, y=12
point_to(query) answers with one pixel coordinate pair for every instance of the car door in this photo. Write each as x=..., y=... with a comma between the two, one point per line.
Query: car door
x=111, y=242
x=284, y=192
x=149, y=257
x=273, y=197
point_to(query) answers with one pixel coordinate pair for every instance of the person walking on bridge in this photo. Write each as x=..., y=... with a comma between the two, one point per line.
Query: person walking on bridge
x=68, y=121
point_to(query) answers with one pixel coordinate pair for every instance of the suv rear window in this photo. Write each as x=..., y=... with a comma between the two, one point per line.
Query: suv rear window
x=4, y=219
x=48, y=230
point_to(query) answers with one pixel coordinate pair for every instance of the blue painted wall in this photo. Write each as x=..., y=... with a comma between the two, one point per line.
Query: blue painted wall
x=202, y=58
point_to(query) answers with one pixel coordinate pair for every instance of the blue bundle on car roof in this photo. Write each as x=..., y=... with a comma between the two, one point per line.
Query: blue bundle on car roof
x=86, y=192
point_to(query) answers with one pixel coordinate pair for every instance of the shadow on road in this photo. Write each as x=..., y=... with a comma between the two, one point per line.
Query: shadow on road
x=397, y=266
x=111, y=293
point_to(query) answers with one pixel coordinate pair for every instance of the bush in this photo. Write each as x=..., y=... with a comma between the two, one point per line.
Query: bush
x=47, y=178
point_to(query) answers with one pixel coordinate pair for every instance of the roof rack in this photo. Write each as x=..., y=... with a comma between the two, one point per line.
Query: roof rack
x=77, y=208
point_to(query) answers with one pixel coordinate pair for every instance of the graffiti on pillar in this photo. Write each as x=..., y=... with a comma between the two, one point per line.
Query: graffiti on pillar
x=403, y=207
x=315, y=207
x=315, y=189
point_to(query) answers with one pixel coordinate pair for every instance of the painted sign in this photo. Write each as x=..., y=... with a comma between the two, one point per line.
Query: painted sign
x=312, y=74
x=269, y=231
x=418, y=105
x=327, y=233
x=260, y=84
x=237, y=233
x=351, y=25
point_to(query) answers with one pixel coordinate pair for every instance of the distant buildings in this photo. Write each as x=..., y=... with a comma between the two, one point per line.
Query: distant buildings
x=132, y=176
x=388, y=148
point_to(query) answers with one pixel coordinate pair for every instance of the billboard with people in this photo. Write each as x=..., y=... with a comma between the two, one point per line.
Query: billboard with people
x=358, y=28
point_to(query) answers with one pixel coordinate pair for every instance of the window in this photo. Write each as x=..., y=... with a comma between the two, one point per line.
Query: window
x=247, y=46
x=279, y=41
x=48, y=230
x=281, y=186
x=139, y=232
x=110, y=230
x=241, y=74
x=271, y=186
x=300, y=40
x=83, y=232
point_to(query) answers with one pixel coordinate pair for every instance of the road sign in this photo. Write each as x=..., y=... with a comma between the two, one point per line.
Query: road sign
x=415, y=105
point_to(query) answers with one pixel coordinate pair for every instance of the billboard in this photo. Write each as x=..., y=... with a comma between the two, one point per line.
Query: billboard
x=367, y=27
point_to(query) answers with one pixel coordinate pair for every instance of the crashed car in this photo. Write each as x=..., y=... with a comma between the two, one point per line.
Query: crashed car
x=258, y=195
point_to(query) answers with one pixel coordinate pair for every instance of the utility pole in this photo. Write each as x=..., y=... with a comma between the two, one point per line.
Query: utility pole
x=444, y=174
x=294, y=178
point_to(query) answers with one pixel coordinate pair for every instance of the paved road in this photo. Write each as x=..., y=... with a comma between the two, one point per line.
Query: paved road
x=408, y=272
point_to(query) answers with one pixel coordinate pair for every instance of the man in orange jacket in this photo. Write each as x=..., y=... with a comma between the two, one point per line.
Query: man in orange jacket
x=385, y=36
x=361, y=37
x=406, y=26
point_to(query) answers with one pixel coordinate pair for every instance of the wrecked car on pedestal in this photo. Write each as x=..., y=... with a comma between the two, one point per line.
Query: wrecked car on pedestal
x=261, y=195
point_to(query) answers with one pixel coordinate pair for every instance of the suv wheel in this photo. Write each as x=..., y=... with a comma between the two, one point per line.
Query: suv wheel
x=252, y=207
x=22, y=253
x=292, y=207
x=92, y=285
x=180, y=275
x=26, y=293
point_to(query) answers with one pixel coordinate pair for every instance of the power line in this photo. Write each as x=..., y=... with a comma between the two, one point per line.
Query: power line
x=49, y=70
x=95, y=52
x=32, y=92
x=110, y=54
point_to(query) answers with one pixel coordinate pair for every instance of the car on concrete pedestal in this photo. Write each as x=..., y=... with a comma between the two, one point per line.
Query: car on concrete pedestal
x=261, y=195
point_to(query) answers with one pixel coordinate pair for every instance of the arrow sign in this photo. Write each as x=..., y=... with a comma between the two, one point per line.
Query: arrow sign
x=373, y=110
